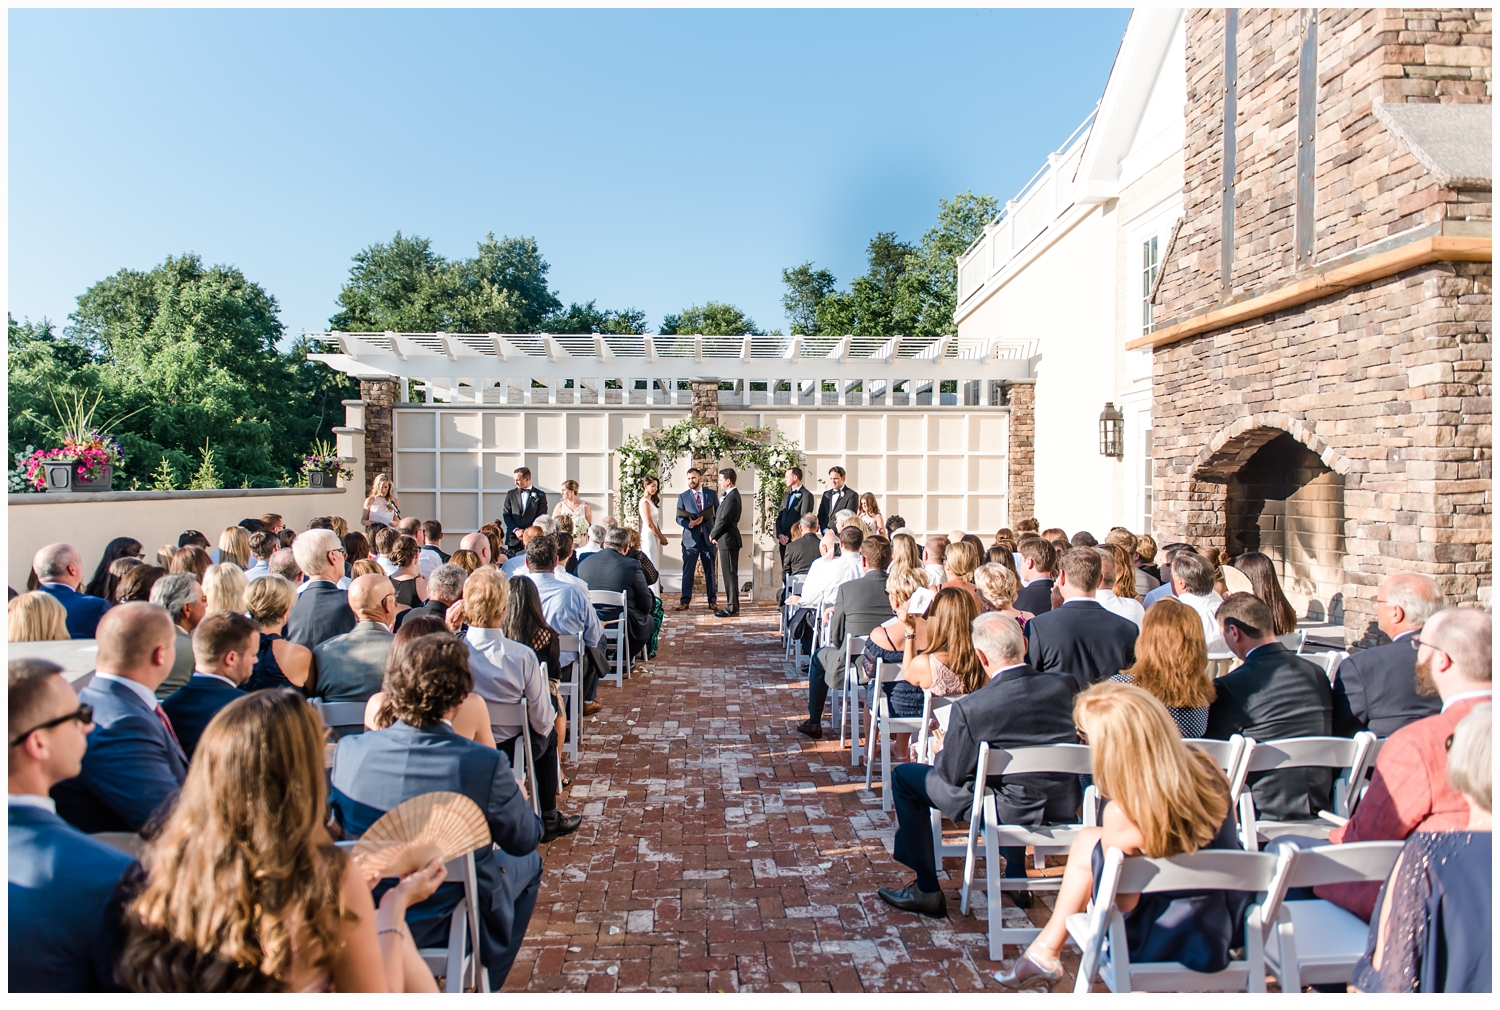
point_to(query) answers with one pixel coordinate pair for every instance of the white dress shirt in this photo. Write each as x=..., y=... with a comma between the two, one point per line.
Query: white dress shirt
x=563, y=575
x=1131, y=609
x=1207, y=605
x=387, y=565
x=506, y=672
x=824, y=578
x=141, y=690
x=259, y=569
x=1161, y=592
x=1455, y=699
x=30, y=800
x=428, y=562
x=215, y=676
x=936, y=575
x=515, y=566
x=342, y=583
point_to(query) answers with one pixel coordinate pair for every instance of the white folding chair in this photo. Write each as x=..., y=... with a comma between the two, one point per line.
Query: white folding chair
x=1228, y=754
x=510, y=720
x=1100, y=932
x=348, y=716
x=1316, y=942
x=572, y=692
x=1328, y=661
x=846, y=700
x=791, y=585
x=458, y=962
x=1064, y=758
x=1293, y=640
x=1219, y=665
x=884, y=725
x=616, y=631
x=1359, y=778
x=1339, y=753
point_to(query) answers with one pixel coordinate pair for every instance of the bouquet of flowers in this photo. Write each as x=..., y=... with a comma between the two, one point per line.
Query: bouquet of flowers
x=91, y=454
x=324, y=459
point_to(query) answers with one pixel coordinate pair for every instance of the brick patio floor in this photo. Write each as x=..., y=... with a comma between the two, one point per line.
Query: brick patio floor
x=722, y=850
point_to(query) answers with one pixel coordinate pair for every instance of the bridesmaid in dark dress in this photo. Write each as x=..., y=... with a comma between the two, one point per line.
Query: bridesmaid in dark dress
x=279, y=663
x=1166, y=799
x=1432, y=932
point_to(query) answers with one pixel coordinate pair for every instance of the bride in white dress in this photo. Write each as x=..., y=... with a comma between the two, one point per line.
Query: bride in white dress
x=576, y=510
x=652, y=538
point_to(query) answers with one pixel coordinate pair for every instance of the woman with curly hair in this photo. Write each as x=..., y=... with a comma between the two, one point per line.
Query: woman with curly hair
x=244, y=891
x=473, y=719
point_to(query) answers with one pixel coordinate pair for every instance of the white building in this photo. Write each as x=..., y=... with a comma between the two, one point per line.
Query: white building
x=1068, y=267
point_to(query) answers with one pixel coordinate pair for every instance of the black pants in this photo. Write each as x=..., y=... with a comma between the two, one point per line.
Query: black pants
x=729, y=564
x=594, y=662
x=691, y=555
x=914, y=829
x=544, y=756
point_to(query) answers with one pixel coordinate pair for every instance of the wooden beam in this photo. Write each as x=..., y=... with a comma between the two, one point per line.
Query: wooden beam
x=1373, y=268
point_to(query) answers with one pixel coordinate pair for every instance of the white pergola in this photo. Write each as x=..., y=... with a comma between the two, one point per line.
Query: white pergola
x=547, y=369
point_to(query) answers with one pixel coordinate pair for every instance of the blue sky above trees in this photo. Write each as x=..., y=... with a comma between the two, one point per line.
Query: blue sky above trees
x=660, y=159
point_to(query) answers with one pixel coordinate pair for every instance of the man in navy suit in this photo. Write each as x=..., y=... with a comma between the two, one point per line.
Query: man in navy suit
x=1038, y=561
x=1080, y=637
x=224, y=652
x=322, y=610
x=134, y=766
x=419, y=753
x=59, y=569
x=61, y=880
x=695, y=514
x=1376, y=689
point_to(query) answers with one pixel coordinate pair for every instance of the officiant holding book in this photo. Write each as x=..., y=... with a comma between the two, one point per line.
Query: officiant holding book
x=695, y=514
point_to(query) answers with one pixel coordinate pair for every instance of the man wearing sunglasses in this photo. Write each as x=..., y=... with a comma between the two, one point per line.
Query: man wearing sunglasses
x=60, y=879
x=134, y=765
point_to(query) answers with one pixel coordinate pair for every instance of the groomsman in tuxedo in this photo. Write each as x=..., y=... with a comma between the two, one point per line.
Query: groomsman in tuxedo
x=796, y=503
x=695, y=514
x=726, y=537
x=524, y=505
x=836, y=499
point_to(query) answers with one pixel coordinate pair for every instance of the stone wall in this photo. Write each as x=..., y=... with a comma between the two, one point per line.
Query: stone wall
x=380, y=456
x=1022, y=498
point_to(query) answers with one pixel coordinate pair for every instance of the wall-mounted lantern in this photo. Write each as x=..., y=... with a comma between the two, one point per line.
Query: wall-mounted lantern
x=1112, y=432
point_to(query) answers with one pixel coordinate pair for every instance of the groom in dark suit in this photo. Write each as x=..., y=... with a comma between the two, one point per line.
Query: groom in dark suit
x=695, y=514
x=836, y=499
x=726, y=537
x=796, y=503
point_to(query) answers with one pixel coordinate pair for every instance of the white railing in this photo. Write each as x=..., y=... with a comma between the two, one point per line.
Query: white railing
x=1044, y=198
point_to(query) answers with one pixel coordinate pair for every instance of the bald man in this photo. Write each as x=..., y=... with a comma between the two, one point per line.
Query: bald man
x=479, y=544
x=350, y=667
x=134, y=764
x=59, y=569
x=1376, y=689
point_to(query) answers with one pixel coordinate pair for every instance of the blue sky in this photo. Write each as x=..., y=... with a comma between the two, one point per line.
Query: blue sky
x=660, y=158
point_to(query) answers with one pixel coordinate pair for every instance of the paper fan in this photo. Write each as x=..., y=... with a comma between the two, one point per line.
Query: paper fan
x=1235, y=580
x=433, y=825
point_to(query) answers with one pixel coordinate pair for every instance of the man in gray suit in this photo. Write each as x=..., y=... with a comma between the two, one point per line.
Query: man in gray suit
x=859, y=608
x=186, y=602
x=351, y=666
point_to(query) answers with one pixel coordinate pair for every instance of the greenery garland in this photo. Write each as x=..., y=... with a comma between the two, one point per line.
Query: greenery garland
x=653, y=454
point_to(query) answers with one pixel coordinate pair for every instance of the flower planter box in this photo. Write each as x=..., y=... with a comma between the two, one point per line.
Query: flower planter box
x=63, y=476
x=319, y=478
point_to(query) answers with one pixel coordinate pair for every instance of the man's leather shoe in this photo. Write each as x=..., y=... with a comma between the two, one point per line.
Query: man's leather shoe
x=810, y=728
x=680, y=607
x=557, y=825
x=726, y=613
x=909, y=899
x=1022, y=899
x=593, y=707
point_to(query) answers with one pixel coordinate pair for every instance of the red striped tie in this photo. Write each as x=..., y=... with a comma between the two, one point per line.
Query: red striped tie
x=162, y=715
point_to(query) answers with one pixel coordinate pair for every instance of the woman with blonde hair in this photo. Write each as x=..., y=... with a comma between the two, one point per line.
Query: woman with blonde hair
x=999, y=586
x=279, y=663
x=579, y=511
x=887, y=641
x=381, y=506
x=234, y=545
x=869, y=513
x=1171, y=664
x=960, y=561
x=1166, y=798
x=225, y=586
x=906, y=556
x=364, y=566
x=164, y=555
x=36, y=617
x=243, y=890
x=467, y=560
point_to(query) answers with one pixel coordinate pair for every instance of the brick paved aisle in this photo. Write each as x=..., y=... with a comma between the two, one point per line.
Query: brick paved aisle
x=722, y=850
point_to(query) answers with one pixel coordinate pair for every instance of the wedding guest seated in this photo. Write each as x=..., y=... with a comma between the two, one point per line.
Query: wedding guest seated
x=262, y=546
x=479, y=545
x=286, y=537
x=134, y=764
x=284, y=563
x=1261, y=571
x=385, y=540
x=411, y=585
x=960, y=562
x=1169, y=554
x=888, y=641
x=61, y=880
x=225, y=647
x=432, y=539
x=1116, y=592
x=803, y=550
x=567, y=562
x=611, y=571
x=948, y=666
x=565, y=610
x=999, y=586
x=191, y=560
x=420, y=753
x=187, y=604
x=59, y=572
x=36, y=617
x=933, y=552
x=526, y=623
x=136, y=584
x=118, y=549
x=322, y=610
x=1018, y=707
x=224, y=587
x=1193, y=584
x=1083, y=538
x=473, y=719
x=117, y=572
x=1038, y=563
x=1409, y=790
x=1376, y=689
x=1434, y=930
x=595, y=541
x=444, y=588
x=507, y=672
x=1002, y=553
x=649, y=570
x=1166, y=798
x=278, y=663
x=1080, y=637
x=244, y=891
x=1275, y=694
x=1145, y=561
x=351, y=666
x=861, y=605
x=1171, y=660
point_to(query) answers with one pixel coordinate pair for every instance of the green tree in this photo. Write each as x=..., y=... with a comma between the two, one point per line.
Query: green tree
x=805, y=290
x=715, y=319
x=588, y=318
x=872, y=305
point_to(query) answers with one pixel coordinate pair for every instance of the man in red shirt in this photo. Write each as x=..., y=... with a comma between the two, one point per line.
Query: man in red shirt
x=1410, y=790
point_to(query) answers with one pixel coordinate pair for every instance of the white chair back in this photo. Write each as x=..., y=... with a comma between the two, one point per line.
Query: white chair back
x=1293, y=640
x=1341, y=754
x=511, y=720
x=1328, y=661
x=616, y=630
x=847, y=699
x=572, y=693
x=1226, y=753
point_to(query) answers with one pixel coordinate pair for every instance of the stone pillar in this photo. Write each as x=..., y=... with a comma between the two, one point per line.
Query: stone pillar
x=705, y=411
x=1020, y=394
x=380, y=441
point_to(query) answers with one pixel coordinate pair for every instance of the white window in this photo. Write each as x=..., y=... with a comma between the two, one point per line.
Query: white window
x=1149, y=264
x=1146, y=502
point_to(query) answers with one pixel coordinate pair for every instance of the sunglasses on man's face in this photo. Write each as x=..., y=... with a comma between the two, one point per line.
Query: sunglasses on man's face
x=84, y=714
